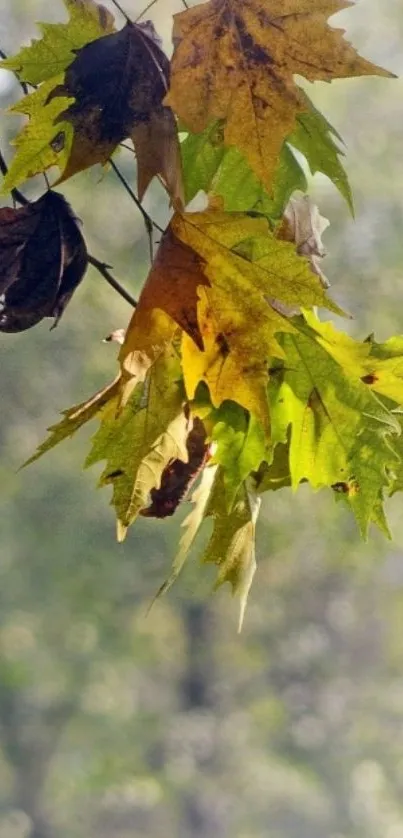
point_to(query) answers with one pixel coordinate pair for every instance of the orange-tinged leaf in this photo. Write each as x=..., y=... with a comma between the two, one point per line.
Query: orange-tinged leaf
x=238, y=59
x=172, y=284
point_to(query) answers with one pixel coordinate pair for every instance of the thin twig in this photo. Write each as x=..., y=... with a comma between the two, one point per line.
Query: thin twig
x=185, y=4
x=152, y=3
x=104, y=271
x=122, y=11
x=148, y=222
x=16, y=195
x=22, y=84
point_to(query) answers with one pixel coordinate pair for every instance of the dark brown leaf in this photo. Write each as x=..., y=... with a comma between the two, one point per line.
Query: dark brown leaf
x=43, y=259
x=119, y=82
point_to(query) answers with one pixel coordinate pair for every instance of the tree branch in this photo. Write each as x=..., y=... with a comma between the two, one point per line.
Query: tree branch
x=103, y=269
x=16, y=195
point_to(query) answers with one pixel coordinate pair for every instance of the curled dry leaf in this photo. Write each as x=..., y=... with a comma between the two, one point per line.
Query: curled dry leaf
x=178, y=477
x=303, y=224
x=119, y=82
x=43, y=258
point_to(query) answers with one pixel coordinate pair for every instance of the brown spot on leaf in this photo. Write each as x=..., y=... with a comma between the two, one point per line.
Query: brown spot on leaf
x=371, y=378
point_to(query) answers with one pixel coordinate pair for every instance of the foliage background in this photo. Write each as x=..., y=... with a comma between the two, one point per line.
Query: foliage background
x=115, y=725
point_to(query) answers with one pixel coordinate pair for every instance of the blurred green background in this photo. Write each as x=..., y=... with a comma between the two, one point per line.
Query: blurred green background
x=114, y=724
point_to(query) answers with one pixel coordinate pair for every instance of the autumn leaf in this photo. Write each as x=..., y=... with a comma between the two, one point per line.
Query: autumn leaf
x=239, y=59
x=78, y=416
x=176, y=274
x=139, y=440
x=43, y=260
x=232, y=543
x=341, y=435
x=43, y=142
x=211, y=166
x=240, y=446
x=118, y=83
x=245, y=265
x=48, y=57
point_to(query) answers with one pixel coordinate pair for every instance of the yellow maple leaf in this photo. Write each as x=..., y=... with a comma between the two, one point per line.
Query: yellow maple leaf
x=238, y=58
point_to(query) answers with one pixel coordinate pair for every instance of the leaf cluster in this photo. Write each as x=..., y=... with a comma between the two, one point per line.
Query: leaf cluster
x=226, y=372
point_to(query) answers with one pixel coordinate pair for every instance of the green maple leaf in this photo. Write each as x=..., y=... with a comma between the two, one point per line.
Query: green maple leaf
x=232, y=543
x=209, y=166
x=43, y=142
x=48, y=57
x=140, y=441
x=341, y=434
x=77, y=416
x=316, y=139
x=241, y=446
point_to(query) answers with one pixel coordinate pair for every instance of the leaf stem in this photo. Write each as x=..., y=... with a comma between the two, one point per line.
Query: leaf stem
x=103, y=269
x=16, y=195
x=22, y=84
x=122, y=11
x=148, y=221
x=152, y=3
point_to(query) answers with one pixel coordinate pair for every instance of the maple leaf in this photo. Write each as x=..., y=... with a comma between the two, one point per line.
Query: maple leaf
x=118, y=83
x=315, y=138
x=42, y=143
x=232, y=543
x=142, y=439
x=239, y=445
x=48, y=57
x=176, y=274
x=239, y=58
x=209, y=166
x=341, y=435
x=77, y=416
x=43, y=260
x=245, y=265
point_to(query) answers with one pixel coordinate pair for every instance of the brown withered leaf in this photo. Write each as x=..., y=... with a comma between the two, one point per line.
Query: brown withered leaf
x=172, y=284
x=119, y=82
x=43, y=258
x=179, y=476
x=236, y=60
x=303, y=224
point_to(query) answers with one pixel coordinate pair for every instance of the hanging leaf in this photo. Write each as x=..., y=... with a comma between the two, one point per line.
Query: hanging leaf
x=232, y=543
x=240, y=445
x=239, y=58
x=212, y=167
x=43, y=142
x=48, y=57
x=142, y=438
x=316, y=139
x=43, y=260
x=340, y=433
x=118, y=83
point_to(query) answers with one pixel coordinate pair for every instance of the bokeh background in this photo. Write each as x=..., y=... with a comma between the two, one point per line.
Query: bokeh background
x=114, y=724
